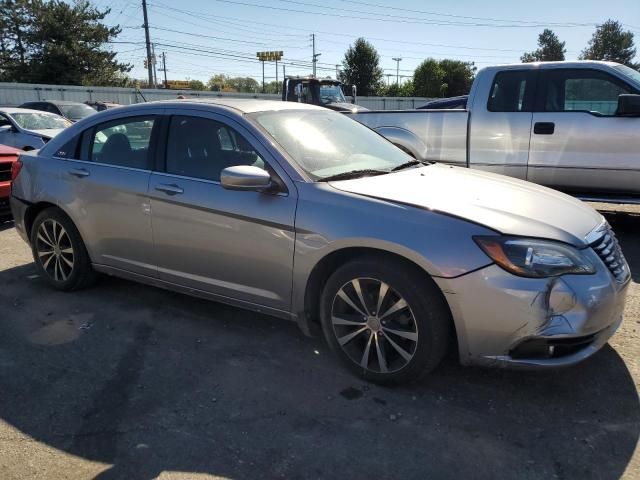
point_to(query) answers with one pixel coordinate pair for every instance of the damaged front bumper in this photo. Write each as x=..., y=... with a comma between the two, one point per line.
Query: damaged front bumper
x=505, y=320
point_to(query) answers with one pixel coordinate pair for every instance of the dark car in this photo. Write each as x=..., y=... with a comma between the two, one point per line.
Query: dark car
x=454, y=103
x=73, y=111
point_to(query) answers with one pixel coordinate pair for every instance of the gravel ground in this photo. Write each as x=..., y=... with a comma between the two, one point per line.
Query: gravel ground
x=130, y=382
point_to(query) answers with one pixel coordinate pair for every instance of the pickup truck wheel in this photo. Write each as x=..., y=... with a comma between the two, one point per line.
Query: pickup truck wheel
x=384, y=320
x=59, y=253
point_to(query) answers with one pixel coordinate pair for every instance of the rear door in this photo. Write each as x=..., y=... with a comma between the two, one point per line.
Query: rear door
x=500, y=130
x=234, y=244
x=578, y=143
x=105, y=191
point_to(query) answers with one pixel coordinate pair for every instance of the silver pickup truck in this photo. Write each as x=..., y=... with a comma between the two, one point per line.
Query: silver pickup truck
x=572, y=126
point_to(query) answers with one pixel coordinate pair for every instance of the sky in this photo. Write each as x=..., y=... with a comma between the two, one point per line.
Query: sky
x=202, y=38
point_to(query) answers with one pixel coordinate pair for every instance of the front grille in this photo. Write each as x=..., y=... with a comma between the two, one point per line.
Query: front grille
x=5, y=171
x=609, y=251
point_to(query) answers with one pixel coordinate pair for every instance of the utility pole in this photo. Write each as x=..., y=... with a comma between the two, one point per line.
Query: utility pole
x=164, y=68
x=146, y=34
x=276, y=72
x=284, y=71
x=337, y=73
x=263, y=76
x=397, y=60
x=155, y=73
x=315, y=55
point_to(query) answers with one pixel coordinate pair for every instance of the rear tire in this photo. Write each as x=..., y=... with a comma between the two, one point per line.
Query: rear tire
x=59, y=252
x=385, y=320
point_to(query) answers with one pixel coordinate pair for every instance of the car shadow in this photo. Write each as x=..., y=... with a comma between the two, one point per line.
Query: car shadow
x=149, y=381
x=5, y=225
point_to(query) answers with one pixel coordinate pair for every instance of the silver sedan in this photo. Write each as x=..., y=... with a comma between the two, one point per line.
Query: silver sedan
x=302, y=213
x=29, y=129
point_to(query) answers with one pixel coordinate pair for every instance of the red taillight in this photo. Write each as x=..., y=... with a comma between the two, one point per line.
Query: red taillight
x=15, y=169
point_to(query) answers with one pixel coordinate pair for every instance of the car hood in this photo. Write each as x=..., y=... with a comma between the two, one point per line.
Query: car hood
x=47, y=132
x=504, y=204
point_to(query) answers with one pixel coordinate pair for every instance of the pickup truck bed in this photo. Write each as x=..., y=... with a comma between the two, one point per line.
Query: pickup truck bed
x=553, y=123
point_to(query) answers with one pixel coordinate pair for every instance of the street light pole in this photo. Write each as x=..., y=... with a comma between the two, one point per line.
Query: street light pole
x=397, y=60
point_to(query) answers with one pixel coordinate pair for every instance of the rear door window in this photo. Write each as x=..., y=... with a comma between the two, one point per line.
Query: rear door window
x=512, y=91
x=124, y=142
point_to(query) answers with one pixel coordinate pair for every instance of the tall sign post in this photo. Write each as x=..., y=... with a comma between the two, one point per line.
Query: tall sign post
x=273, y=56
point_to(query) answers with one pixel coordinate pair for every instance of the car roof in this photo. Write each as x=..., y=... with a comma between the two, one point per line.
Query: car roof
x=242, y=105
x=10, y=110
x=559, y=64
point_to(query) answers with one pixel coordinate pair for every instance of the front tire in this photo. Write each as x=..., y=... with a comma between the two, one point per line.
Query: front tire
x=59, y=252
x=385, y=320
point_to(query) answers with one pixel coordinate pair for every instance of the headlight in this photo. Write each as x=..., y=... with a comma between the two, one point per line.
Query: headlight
x=535, y=258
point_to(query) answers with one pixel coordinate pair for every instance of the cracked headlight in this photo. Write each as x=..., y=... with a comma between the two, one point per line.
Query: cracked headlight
x=535, y=258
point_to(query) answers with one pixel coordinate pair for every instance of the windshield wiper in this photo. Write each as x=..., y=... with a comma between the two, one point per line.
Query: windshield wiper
x=354, y=174
x=408, y=164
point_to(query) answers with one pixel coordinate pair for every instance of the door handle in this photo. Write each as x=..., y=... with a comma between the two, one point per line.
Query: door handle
x=169, y=189
x=544, y=128
x=79, y=172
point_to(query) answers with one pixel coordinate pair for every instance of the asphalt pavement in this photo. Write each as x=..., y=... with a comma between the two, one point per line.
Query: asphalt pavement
x=125, y=381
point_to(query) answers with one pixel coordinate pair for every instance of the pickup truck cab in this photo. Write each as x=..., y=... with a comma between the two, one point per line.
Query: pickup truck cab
x=572, y=126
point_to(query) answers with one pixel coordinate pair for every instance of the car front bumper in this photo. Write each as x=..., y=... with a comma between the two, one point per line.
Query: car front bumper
x=505, y=320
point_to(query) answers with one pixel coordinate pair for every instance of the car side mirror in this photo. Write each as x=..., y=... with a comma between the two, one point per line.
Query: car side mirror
x=245, y=177
x=628, y=105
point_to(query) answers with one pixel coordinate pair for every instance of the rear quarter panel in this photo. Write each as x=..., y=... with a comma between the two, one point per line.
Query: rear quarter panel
x=442, y=133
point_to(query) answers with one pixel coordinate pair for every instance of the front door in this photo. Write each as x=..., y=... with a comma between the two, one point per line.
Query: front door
x=234, y=244
x=577, y=142
x=105, y=192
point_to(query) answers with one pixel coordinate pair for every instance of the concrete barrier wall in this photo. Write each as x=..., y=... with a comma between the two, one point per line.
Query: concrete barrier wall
x=13, y=94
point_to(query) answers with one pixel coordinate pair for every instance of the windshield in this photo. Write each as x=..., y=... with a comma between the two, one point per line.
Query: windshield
x=325, y=143
x=77, y=112
x=628, y=72
x=331, y=94
x=39, y=121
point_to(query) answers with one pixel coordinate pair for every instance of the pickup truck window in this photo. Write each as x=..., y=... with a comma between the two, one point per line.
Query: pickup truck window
x=511, y=92
x=581, y=90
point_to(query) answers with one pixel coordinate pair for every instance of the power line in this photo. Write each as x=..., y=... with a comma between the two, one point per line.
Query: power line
x=351, y=36
x=385, y=17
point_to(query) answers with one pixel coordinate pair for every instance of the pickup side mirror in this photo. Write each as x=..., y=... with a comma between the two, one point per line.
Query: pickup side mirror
x=354, y=91
x=628, y=105
x=245, y=177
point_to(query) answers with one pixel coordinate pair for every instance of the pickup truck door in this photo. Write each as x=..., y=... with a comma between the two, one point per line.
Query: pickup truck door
x=500, y=123
x=578, y=144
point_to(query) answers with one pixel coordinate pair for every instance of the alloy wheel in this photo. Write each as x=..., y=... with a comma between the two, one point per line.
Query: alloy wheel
x=374, y=325
x=54, y=249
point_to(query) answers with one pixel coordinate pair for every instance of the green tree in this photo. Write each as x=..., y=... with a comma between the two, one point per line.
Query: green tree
x=272, y=87
x=550, y=49
x=610, y=42
x=56, y=42
x=393, y=90
x=218, y=82
x=361, y=67
x=428, y=79
x=457, y=77
x=196, y=85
